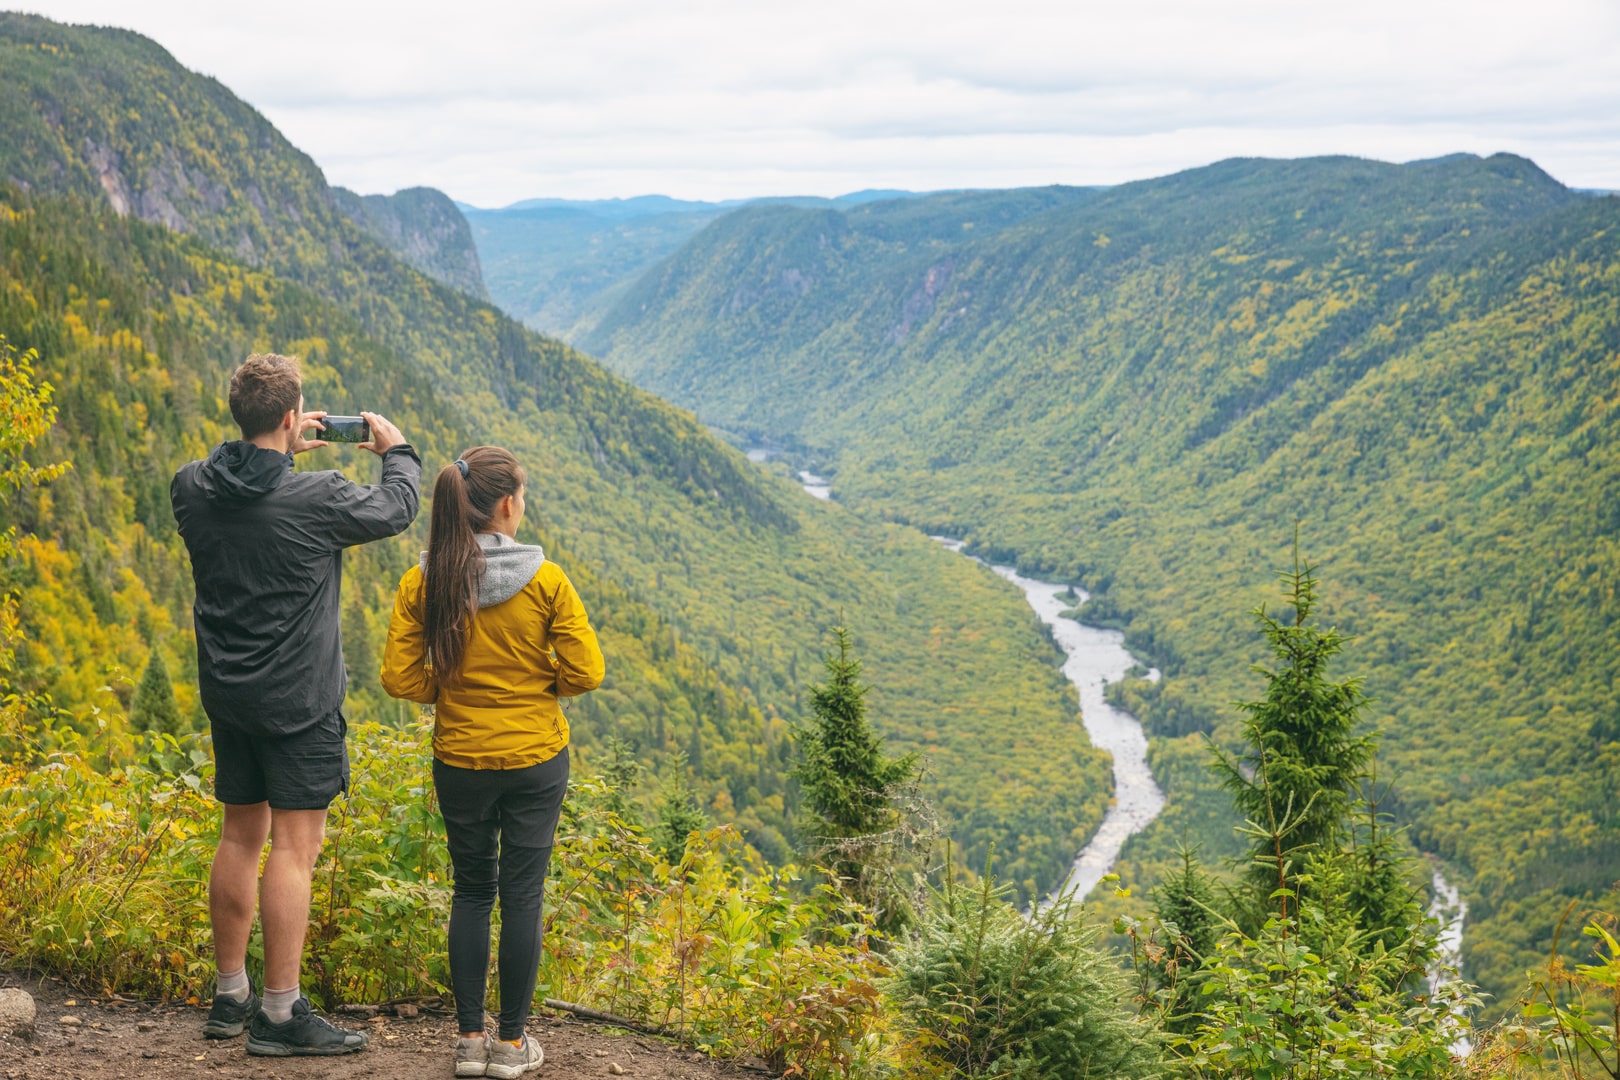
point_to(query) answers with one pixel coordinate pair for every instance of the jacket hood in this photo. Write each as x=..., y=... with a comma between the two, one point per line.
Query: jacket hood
x=508, y=567
x=239, y=472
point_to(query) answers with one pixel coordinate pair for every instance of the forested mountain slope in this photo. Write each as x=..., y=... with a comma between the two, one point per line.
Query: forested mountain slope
x=1143, y=389
x=715, y=584
x=422, y=226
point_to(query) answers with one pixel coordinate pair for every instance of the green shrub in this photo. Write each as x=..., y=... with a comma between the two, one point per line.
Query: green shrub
x=1274, y=1008
x=981, y=990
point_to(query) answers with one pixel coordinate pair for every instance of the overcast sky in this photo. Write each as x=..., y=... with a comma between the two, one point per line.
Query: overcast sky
x=494, y=101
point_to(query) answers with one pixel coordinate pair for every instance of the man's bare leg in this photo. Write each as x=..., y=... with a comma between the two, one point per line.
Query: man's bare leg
x=295, y=845
x=233, y=881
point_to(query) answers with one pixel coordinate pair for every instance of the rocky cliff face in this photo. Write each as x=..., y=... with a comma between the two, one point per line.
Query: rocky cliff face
x=422, y=226
x=107, y=114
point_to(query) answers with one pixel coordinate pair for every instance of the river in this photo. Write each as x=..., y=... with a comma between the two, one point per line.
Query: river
x=1097, y=657
x=1451, y=910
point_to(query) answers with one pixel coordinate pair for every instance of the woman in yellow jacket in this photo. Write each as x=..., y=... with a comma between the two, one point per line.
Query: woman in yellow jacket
x=492, y=635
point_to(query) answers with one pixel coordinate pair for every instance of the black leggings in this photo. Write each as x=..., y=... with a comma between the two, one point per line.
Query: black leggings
x=500, y=823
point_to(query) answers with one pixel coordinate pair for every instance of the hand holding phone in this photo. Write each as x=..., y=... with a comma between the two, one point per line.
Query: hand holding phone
x=305, y=422
x=383, y=436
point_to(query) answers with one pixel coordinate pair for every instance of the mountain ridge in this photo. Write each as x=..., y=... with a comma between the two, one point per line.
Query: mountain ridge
x=425, y=228
x=555, y=263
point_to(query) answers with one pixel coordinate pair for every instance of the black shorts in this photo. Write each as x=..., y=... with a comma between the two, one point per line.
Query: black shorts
x=305, y=771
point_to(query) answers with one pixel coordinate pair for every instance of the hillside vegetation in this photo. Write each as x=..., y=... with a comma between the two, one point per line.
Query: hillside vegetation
x=1143, y=389
x=155, y=230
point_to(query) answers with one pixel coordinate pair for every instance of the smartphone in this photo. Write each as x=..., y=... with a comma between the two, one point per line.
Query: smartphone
x=345, y=429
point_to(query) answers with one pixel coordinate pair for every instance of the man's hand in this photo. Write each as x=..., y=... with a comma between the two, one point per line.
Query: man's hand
x=305, y=422
x=384, y=436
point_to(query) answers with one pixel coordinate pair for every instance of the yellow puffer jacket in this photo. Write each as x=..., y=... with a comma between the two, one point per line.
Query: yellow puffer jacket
x=522, y=655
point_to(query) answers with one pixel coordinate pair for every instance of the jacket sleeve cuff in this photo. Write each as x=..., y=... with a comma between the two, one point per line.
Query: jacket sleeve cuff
x=403, y=448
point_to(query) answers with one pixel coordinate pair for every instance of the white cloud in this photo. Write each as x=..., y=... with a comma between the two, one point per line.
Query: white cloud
x=494, y=100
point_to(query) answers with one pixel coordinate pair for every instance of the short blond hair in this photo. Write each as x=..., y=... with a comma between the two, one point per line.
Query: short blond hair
x=263, y=390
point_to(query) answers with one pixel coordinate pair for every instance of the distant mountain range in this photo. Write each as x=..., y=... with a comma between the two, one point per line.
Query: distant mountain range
x=555, y=262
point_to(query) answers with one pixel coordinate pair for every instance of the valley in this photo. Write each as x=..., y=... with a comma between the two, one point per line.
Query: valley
x=1134, y=505
x=1141, y=390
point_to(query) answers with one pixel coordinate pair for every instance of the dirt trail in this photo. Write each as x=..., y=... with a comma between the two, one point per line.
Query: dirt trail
x=137, y=1041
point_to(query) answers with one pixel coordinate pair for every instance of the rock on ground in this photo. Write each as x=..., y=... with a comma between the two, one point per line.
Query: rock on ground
x=16, y=1012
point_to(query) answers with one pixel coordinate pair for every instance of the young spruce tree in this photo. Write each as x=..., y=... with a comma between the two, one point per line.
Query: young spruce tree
x=1299, y=776
x=154, y=708
x=851, y=788
x=679, y=814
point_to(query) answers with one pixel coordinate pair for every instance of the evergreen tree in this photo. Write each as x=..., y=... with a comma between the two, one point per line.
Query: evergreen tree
x=1378, y=886
x=1299, y=775
x=154, y=708
x=1187, y=907
x=620, y=769
x=850, y=786
x=679, y=814
x=1322, y=855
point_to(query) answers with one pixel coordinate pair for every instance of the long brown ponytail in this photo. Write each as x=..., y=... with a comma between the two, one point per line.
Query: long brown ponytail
x=463, y=504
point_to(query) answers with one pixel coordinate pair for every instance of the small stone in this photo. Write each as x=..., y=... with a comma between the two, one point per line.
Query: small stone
x=17, y=1012
x=69, y=1021
x=615, y=1068
x=149, y=1054
x=146, y=1025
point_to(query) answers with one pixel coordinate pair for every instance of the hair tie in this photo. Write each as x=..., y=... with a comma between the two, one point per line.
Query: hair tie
x=462, y=465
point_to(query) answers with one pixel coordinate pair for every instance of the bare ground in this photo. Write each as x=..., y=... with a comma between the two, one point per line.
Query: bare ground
x=132, y=1040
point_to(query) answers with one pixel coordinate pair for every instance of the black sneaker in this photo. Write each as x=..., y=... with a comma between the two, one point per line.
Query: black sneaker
x=304, y=1035
x=227, y=1016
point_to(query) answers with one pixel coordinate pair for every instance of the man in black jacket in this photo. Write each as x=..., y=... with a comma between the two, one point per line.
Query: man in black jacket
x=266, y=548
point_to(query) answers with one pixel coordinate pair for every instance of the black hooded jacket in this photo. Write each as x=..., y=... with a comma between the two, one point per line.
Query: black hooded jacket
x=266, y=548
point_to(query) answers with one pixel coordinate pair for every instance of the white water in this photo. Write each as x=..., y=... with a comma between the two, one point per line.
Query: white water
x=1451, y=909
x=1097, y=657
x=815, y=485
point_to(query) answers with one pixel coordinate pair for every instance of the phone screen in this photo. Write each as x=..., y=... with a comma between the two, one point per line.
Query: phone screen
x=346, y=429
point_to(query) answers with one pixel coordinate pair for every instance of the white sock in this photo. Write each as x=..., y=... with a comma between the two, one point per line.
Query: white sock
x=278, y=1004
x=232, y=984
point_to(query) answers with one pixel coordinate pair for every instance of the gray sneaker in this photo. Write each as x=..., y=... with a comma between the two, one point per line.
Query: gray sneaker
x=227, y=1016
x=508, y=1062
x=304, y=1035
x=472, y=1056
